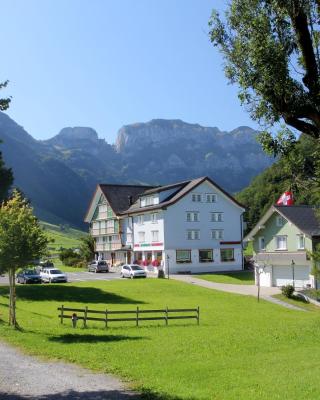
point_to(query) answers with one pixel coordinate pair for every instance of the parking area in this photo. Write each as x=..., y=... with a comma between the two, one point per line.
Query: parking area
x=80, y=276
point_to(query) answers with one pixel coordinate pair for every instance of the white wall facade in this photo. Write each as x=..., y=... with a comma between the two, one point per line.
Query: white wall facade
x=173, y=227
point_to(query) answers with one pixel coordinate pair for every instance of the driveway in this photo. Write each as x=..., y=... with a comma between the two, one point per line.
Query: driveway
x=250, y=290
x=24, y=377
x=266, y=293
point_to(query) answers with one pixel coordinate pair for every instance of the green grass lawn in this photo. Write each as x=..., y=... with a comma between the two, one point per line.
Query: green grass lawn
x=241, y=350
x=235, y=278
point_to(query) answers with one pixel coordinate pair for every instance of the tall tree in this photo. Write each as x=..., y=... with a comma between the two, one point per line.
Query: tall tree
x=22, y=240
x=6, y=176
x=87, y=248
x=271, y=50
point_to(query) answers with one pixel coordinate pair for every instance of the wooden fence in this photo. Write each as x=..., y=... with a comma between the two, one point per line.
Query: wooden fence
x=137, y=315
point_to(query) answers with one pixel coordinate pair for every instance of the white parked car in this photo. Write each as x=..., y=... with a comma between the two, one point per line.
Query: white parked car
x=132, y=271
x=53, y=275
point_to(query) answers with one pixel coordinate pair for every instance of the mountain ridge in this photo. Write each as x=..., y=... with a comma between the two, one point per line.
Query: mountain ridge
x=59, y=174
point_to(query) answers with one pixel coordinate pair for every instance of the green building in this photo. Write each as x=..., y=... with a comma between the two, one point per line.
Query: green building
x=281, y=242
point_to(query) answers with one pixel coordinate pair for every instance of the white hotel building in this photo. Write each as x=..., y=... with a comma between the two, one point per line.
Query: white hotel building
x=191, y=226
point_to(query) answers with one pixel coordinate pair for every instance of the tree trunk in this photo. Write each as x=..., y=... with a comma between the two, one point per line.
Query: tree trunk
x=12, y=302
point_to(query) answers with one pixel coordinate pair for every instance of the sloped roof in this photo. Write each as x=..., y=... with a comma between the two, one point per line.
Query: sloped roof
x=182, y=189
x=118, y=195
x=303, y=217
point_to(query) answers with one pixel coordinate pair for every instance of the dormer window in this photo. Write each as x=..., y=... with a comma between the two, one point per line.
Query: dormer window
x=147, y=201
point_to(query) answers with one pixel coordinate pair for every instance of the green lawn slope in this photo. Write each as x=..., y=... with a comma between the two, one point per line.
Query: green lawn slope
x=242, y=349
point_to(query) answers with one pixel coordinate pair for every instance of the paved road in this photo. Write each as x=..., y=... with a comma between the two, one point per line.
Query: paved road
x=25, y=377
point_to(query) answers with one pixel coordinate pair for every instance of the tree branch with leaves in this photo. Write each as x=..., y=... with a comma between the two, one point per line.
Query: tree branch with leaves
x=271, y=51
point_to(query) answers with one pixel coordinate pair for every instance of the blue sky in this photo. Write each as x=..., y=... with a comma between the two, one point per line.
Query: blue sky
x=108, y=63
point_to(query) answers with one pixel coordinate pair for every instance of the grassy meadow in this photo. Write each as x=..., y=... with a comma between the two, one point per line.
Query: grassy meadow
x=235, y=278
x=69, y=238
x=241, y=350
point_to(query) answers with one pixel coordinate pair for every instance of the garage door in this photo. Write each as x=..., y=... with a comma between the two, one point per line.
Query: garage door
x=285, y=275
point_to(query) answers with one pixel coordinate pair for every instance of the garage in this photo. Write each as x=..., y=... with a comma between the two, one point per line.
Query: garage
x=286, y=275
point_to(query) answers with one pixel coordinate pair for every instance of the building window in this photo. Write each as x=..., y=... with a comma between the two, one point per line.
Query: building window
x=217, y=234
x=262, y=244
x=227, y=254
x=205, y=256
x=141, y=237
x=155, y=236
x=183, y=256
x=103, y=208
x=192, y=216
x=140, y=219
x=216, y=217
x=196, y=197
x=281, y=242
x=193, y=234
x=301, y=242
x=211, y=198
x=280, y=221
x=149, y=200
x=154, y=218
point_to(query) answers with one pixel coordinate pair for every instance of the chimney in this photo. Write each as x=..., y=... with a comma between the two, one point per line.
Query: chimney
x=130, y=200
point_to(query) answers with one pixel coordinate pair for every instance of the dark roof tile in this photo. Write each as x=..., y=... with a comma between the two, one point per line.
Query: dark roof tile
x=306, y=218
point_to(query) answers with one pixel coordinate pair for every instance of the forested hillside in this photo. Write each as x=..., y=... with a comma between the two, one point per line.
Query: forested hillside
x=299, y=172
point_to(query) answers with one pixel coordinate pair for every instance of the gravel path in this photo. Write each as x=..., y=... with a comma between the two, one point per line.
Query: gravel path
x=25, y=377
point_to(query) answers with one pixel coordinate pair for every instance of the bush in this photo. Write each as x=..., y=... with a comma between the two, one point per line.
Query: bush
x=287, y=290
x=161, y=273
x=69, y=257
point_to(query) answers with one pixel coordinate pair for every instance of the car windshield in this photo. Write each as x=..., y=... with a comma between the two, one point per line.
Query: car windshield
x=55, y=271
x=30, y=272
x=136, y=268
x=102, y=263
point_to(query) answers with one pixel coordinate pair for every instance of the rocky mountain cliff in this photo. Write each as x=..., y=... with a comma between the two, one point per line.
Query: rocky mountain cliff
x=60, y=174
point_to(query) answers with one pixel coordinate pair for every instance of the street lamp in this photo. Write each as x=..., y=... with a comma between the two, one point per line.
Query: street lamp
x=292, y=266
x=259, y=269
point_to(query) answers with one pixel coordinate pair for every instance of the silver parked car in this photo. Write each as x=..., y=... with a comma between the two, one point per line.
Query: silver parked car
x=98, y=266
x=51, y=275
x=132, y=271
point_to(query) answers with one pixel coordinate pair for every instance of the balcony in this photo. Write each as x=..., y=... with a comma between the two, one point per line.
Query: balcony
x=104, y=231
x=108, y=246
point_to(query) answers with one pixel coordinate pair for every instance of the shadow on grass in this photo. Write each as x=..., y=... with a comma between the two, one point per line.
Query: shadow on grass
x=94, y=395
x=76, y=338
x=66, y=293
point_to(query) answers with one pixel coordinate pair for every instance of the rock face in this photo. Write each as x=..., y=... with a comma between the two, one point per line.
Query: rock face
x=59, y=174
x=171, y=150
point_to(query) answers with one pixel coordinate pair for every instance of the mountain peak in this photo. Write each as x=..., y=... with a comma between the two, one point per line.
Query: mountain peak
x=78, y=132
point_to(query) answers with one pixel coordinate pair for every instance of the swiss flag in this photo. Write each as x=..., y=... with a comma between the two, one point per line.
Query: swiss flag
x=286, y=199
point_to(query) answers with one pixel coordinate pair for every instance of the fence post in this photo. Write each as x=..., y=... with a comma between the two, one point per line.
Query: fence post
x=106, y=318
x=166, y=315
x=198, y=314
x=61, y=315
x=85, y=317
x=137, y=317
